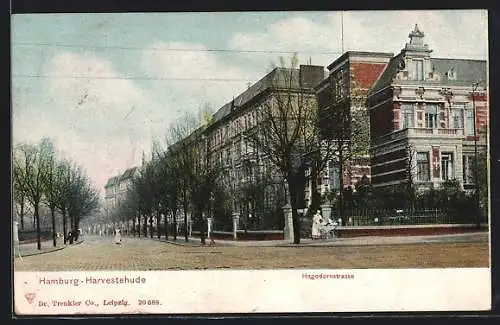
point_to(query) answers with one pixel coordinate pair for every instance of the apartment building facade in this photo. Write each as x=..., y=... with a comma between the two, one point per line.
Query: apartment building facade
x=349, y=79
x=425, y=114
x=248, y=173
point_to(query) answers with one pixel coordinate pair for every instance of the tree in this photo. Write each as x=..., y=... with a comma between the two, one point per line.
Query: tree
x=67, y=173
x=410, y=165
x=143, y=186
x=19, y=190
x=31, y=166
x=181, y=140
x=83, y=200
x=51, y=183
x=283, y=131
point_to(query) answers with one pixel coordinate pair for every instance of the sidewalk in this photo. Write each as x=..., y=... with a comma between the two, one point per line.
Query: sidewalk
x=482, y=236
x=30, y=249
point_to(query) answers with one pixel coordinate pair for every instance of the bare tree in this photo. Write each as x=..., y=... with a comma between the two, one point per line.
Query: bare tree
x=410, y=166
x=181, y=142
x=30, y=165
x=66, y=174
x=19, y=190
x=51, y=183
x=83, y=200
x=283, y=132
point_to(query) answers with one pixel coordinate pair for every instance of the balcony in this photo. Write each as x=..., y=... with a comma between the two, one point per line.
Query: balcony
x=425, y=132
x=419, y=133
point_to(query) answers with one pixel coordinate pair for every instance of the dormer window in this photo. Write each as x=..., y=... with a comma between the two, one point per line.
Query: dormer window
x=419, y=69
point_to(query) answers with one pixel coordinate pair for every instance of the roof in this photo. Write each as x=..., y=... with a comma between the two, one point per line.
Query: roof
x=358, y=53
x=387, y=76
x=467, y=71
x=129, y=173
x=112, y=181
x=276, y=78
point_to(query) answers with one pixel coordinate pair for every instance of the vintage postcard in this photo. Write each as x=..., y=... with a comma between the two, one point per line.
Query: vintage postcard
x=250, y=162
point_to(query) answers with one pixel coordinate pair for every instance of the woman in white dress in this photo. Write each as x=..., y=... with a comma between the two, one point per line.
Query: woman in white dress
x=316, y=222
x=118, y=236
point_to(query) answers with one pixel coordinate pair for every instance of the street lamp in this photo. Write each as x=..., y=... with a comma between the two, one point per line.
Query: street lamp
x=475, y=86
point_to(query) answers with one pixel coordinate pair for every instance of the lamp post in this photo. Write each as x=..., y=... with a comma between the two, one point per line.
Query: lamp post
x=475, y=86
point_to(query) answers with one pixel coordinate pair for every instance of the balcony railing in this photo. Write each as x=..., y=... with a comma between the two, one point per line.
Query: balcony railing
x=420, y=132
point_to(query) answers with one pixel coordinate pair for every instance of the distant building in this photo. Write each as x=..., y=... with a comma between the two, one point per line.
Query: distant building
x=116, y=189
x=422, y=113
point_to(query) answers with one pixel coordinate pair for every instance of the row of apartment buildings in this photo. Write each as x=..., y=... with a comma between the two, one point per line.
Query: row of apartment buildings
x=419, y=106
x=116, y=188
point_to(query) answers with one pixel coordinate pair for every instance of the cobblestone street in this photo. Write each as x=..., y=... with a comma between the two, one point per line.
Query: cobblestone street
x=100, y=253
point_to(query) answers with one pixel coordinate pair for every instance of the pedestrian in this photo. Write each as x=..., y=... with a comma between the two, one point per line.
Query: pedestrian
x=118, y=237
x=316, y=223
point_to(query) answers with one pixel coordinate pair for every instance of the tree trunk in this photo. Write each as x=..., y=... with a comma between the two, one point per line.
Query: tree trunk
x=22, y=215
x=165, y=221
x=76, y=223
x=139, y=225
x=133, y=226
x=202, y=228
x=65, y=238
x=315, y=195
x=38, y=231
x=292, y=189
x=174, y=215
x=145, y=225
x=186, y=234
x=151, y=225
x=158, y=221
x=54, y=233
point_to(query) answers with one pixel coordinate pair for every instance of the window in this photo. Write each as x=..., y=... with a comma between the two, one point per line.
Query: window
x=419, y=70
x=423, y=170
x=446, y=166
x=457, y=116
x=339, y=85
x=333, y=177
x=408, y=116
x=468, y=168
x=470, y=122
x=431, y=116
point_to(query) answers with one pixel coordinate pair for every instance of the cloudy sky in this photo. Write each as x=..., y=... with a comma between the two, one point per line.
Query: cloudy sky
x=102, y=86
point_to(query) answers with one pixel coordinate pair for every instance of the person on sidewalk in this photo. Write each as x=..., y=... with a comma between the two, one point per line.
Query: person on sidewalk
x=118, y=237
x=316, y=224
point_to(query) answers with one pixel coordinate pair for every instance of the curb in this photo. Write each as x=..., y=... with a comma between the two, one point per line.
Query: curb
x=427, y=241
x=41, y=253
x=182, y=242
x=47, y=252
x=377, y=244
x=190, y=243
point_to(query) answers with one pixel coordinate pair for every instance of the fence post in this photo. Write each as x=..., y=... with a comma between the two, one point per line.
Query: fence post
x=236, y=218
x=288, y=229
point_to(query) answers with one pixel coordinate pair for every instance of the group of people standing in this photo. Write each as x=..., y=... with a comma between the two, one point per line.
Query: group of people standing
x=321, y=227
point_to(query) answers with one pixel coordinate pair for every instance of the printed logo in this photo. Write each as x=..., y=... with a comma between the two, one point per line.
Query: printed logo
x=30, y=297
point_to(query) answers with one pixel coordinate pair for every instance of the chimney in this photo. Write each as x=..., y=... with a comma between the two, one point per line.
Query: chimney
x=311, y=75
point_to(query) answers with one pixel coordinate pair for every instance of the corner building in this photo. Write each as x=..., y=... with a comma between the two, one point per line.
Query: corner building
x=425, y=114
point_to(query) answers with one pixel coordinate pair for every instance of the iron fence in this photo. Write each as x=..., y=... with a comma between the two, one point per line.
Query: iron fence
x=377, y=217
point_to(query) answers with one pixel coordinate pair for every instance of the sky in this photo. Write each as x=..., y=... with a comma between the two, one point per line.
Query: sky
x=103, y=86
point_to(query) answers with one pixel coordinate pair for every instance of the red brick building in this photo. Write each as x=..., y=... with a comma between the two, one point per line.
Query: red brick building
x=350, y=78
